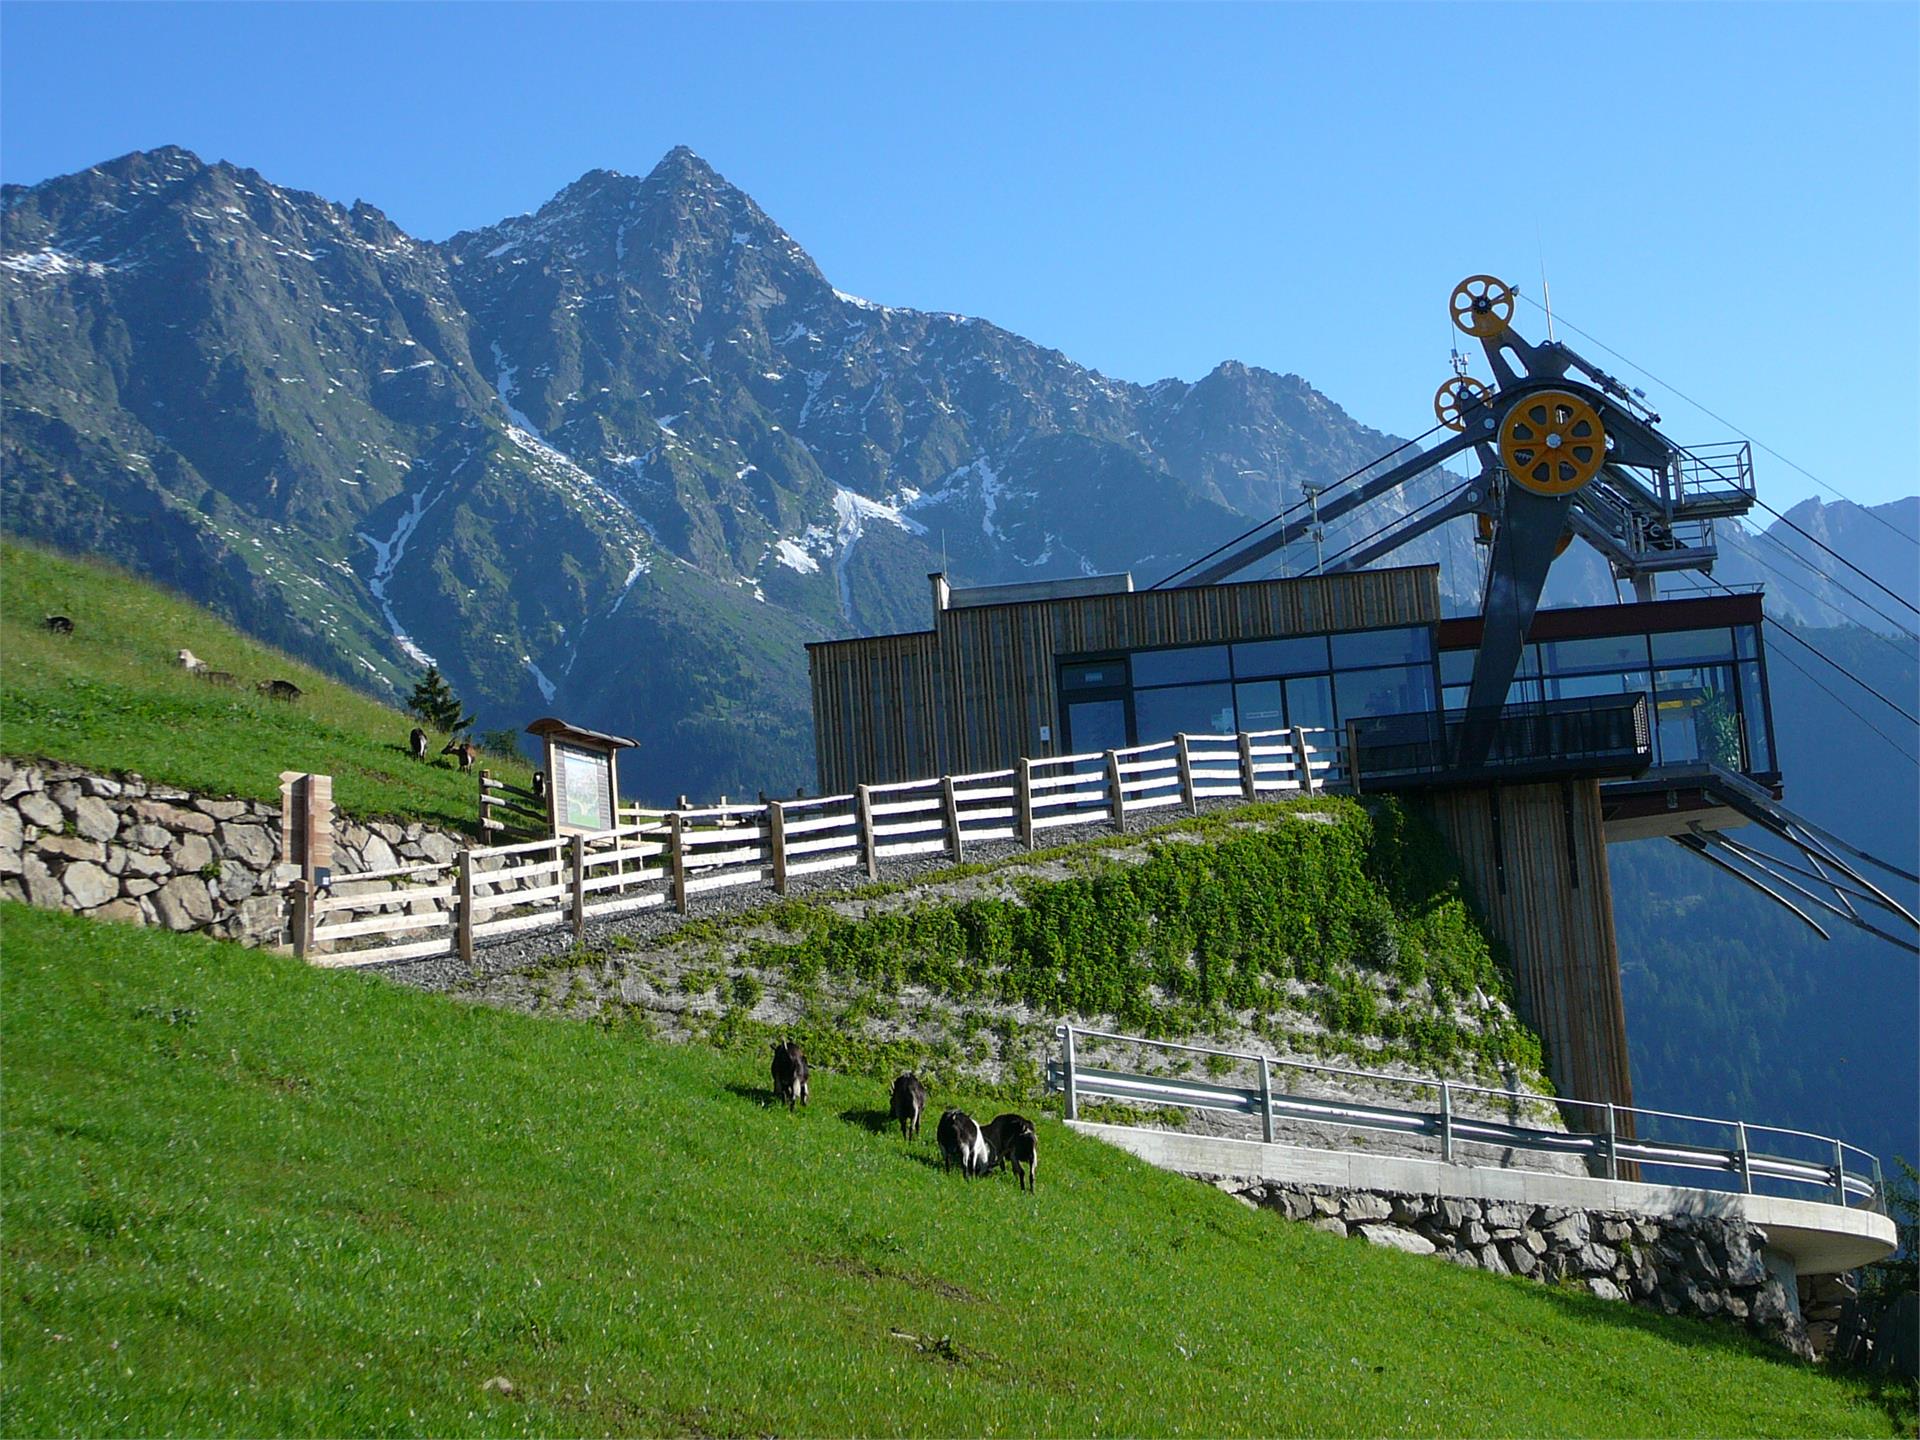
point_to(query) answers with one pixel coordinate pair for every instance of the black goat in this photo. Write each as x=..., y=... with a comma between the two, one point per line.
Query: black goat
x=417, y=743
x=789, y=1074
x=909, y=1099
x=962, y=1144
x=279, y=689
x=1011, y=1141
x=58, y=624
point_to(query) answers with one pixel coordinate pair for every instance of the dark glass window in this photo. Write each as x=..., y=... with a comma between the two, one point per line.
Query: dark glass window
x=1179, y=667
x=1394, y=690
x=1094, y=675
x=1298, y=655
x=1696, y=718
x=1310, y=702
x=1753, y=716
x=1097, y=725
x=1676, y=647
x=1260, y=705
x=1610, y=652
x=1195, y=709
x=1410, y=645
x=1746, y=640
x=1456, y=666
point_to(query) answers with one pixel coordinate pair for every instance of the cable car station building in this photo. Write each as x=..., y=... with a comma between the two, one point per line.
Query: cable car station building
x=1530, y=737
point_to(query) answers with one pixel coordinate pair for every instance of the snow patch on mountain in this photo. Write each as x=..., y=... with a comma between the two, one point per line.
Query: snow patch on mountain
x=387, y=555
x=547, y=690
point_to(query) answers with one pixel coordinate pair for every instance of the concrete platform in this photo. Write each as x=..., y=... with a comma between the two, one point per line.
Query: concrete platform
x=1818, y=1238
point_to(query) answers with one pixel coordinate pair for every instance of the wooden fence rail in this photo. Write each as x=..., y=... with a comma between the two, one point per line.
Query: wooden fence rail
x=662, y=858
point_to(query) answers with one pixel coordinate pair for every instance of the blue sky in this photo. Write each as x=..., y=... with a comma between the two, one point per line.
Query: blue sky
x=1729, y=195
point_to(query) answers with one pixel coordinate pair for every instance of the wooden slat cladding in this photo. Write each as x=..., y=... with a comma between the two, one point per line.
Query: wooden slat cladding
x=1536, y=857
x=876, y=715
x=988, y=686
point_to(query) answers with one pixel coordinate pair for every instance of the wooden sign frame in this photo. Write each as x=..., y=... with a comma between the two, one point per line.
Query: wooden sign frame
x=583, y=777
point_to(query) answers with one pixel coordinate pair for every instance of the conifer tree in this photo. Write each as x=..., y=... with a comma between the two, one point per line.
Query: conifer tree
x=434, y=702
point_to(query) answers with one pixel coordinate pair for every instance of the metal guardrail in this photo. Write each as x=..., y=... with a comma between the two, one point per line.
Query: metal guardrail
x=1609, y=1147
x=1589, y=735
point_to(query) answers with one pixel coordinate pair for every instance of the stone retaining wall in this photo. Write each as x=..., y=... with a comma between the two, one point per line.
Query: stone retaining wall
x=125, y=848
x=1682, y=1265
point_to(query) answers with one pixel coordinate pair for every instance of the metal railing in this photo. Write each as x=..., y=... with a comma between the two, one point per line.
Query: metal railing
x=1590, y=735
x=1824, y=1164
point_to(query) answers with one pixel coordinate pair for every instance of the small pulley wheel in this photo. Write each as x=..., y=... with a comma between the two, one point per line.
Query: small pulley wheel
x=1453, y=399
x=1552, y=442
x=1483, y=306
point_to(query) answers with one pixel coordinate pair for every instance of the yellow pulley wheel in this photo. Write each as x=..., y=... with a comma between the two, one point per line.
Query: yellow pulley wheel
x=1459, y=394
x=1552, y=442
x=1483, y=306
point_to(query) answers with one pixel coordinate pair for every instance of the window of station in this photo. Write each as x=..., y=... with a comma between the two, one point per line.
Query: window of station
x=1706, y=688
x=1313, y=681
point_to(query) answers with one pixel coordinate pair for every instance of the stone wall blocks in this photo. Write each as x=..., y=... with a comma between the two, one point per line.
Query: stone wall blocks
x=101, y=787
x=94, y=819
x=147, y=836
x=1394, y=1238
x=1324, y=1204
x=157, y=812
x=71, y=847
x=1520, y=1260
x=183, y=903
x=237, y=882
x=123, y=910
x=38, y=809
x=1361, y=1205
x=1330, y=1226
x=252, y=845
x=88, y=885
x=440, y=849
x=191, y=853
x=42, y=888
x=220, y=809
x=22, y=782
x=1605, y=1290
x=64, y=794
x=1614, y=1231
x=137, y=886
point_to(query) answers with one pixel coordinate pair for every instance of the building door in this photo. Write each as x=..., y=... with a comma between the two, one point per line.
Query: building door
x=1096, y=725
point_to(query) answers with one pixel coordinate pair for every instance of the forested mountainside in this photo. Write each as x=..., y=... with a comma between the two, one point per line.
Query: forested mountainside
x=1733, y=1006
x=618, y=459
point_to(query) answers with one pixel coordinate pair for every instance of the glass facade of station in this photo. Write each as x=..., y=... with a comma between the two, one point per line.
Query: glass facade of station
x=1314, y=681
x=1705, y=687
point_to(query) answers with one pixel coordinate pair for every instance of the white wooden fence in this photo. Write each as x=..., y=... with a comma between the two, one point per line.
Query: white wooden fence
x=656, y=858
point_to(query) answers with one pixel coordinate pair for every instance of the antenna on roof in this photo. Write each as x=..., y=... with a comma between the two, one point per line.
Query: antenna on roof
x=1546, y=295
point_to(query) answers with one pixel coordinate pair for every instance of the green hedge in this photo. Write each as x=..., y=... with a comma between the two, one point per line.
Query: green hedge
x=1361, y=903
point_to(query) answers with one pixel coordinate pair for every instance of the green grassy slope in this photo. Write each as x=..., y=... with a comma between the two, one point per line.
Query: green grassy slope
x=110, y=696
x=246, y=1196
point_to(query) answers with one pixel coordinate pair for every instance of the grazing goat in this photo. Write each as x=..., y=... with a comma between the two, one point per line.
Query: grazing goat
x=789, y=1074
x=909, y=1099
x=189, y=661
x=962, y=1144
x=417, y=743
x=463, y=751
x=216, y=677
x=279, y=689
x=540, y=785
x=1012, y=1141
x=58, y=624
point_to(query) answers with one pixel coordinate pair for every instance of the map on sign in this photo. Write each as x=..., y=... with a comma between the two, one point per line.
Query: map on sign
x=583, y=782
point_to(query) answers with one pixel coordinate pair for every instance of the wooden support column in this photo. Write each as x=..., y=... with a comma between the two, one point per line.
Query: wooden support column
x=677, y=860
x=1023, y=800
x=950, y=809
x=1536, y=858
x=1248, y=789
x=863, y=805
x=1302, y=762
x=777, y=844
x=1185, y=760
x=1116, y=795
x=577, y=873
x=463, y=898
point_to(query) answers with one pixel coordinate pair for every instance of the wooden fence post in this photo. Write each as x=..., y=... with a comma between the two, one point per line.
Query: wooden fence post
x=1023, y=800
x=677, y=852
x=1266, y=1096
x=777, y=844
x=302, y=921
x=1116, y=796
x=863, y=811
x=1191, y=800
x=950, y=804
x=1353, y=756
x=1248, y=790
x=463, y=899
x=577, y=858
x=486, y=809
x=1302, y=762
